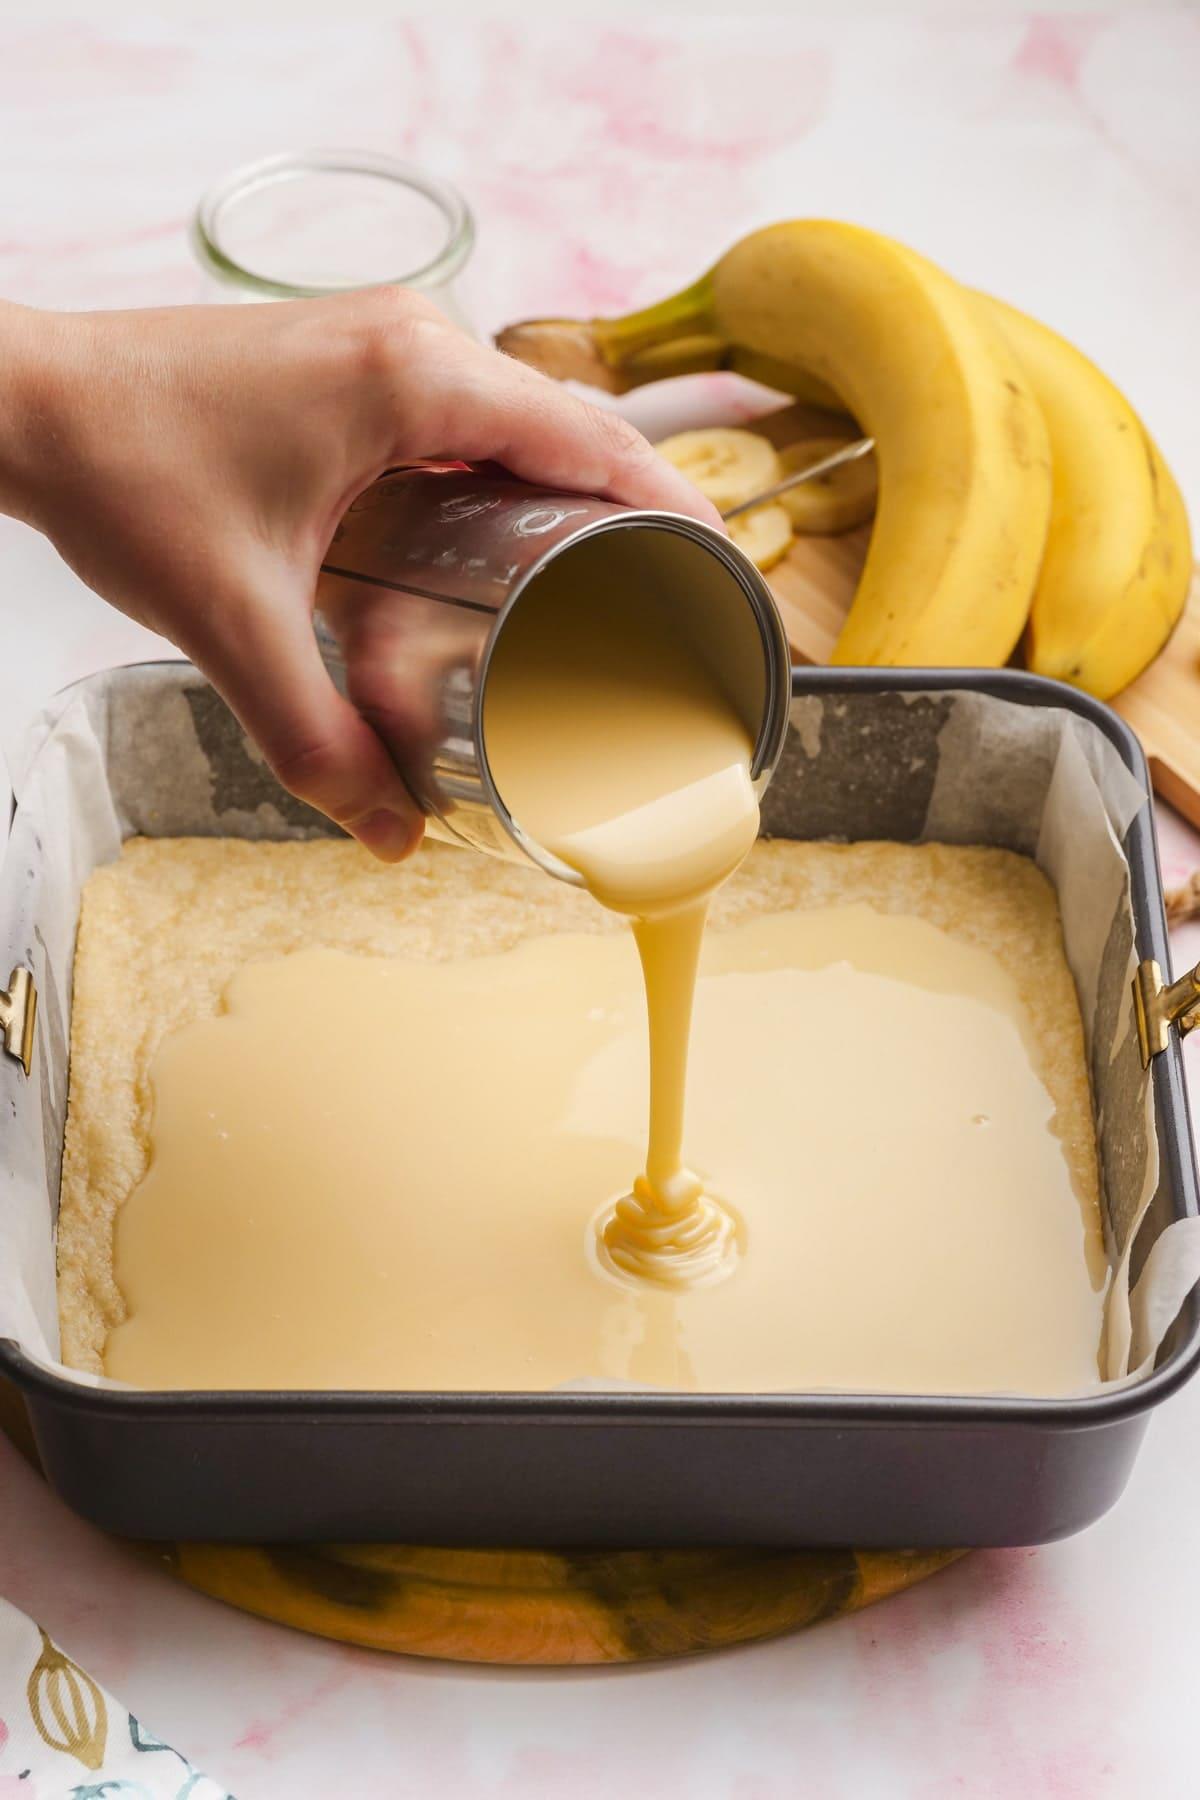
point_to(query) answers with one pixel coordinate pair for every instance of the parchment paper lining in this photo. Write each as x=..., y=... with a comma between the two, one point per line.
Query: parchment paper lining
x=152, y=750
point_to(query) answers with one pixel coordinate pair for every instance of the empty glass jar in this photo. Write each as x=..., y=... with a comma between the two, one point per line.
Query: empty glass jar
x=324, y=221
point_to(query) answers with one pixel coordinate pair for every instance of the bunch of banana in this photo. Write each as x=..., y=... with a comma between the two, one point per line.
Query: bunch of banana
x=1016, y=487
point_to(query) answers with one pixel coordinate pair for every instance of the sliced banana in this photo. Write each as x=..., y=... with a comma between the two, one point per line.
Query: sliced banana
x=727, y=465
x=833, y=502
x=764, y=534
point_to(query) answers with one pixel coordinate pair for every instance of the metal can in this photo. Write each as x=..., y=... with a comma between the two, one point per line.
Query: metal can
x=424, y=572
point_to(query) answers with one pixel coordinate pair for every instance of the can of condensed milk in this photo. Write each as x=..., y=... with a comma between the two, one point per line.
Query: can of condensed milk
x=428, y=569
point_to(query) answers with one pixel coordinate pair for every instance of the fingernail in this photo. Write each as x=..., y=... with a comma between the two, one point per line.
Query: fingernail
x=389, y=835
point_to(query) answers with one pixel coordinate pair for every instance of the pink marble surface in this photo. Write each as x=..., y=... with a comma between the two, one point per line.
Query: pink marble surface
x=1052, y=159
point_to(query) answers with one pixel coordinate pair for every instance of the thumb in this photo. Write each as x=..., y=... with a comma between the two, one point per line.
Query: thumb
x=262, y=657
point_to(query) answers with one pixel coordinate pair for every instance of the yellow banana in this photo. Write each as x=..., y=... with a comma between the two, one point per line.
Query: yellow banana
x=964, y=474
x=1118, y=561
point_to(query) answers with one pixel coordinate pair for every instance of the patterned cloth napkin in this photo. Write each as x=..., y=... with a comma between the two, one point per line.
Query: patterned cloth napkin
x=62, y=1737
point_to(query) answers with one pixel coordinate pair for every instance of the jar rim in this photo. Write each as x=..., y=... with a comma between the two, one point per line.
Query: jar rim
x=289, y=165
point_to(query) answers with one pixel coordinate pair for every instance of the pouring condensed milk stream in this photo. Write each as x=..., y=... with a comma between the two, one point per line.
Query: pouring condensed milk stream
x=620, y=713
x=648, y=795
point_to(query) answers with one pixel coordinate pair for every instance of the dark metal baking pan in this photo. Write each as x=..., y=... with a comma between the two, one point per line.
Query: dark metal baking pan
x=641, y=1469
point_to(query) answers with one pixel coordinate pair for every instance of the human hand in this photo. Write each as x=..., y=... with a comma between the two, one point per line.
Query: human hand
x=192, y=463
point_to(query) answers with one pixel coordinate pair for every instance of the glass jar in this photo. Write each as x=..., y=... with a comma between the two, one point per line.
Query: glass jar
x=324, y=221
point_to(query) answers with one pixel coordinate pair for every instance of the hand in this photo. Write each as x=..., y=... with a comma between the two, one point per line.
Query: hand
x=192, y=463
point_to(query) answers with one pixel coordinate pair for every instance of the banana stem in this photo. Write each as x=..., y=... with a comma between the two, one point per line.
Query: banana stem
x=617, y=354
x=678, y=336
x=684, y=315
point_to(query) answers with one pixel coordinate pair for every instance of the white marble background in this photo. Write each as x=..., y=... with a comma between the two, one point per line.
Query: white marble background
x=1052, y=158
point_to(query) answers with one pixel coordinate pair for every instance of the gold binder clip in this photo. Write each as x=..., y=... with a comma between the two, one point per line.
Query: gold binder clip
x=18, y=1012
x=1161, y=1004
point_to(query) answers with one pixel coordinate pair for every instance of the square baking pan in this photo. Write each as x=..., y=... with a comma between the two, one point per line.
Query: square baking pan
x=598, y=1468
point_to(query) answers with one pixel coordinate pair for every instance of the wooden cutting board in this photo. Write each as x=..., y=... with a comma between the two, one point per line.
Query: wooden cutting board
x=816, y=580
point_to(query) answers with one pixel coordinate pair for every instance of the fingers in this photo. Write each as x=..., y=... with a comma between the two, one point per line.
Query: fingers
x=548, y=435
x=400, y=652
x=264, y=660
x=451, y=396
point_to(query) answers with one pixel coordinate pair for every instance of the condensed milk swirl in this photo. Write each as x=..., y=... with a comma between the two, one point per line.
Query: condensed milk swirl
x=691, y=1244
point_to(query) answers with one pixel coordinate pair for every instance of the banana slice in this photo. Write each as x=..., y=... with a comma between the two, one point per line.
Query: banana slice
x=837, y=501
x=764, y=534
x=727, y=465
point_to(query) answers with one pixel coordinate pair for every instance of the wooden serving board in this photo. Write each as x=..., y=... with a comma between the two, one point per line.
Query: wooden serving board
x=815, y=583
x=548, y=1607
